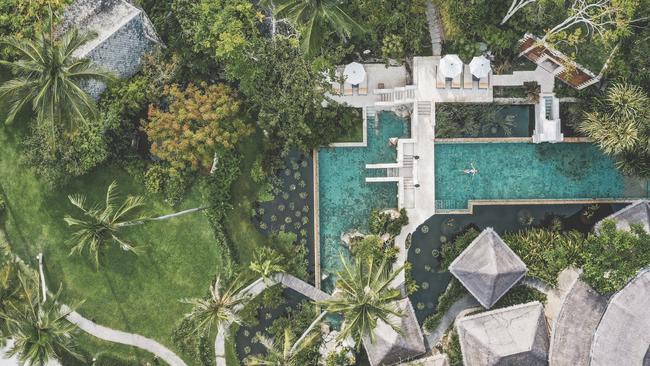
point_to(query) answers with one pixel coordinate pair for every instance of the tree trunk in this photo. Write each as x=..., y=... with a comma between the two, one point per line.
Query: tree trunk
x=161, y=218
x=306, y=332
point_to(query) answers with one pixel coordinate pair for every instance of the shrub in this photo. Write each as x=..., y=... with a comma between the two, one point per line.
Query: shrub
x=453, y=293
x=154, y=179
x=450, y=250
x=381, y=223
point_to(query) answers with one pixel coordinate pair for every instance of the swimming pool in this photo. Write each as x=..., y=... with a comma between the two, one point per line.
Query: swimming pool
x=345, y=199
x=527, y=171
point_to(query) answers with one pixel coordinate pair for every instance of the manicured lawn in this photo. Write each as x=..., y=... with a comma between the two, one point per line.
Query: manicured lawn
x=241, y=231
x=137, y=294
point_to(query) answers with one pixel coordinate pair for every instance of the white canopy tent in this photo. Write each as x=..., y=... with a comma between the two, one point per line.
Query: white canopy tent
x=480, y=67
x=450, y=66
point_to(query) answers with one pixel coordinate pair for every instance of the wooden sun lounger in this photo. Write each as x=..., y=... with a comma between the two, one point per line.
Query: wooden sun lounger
x=484, y=83
x=441, y=82
x=468, y=78
x=347, y=89
x=455, y=82
x=363, y=87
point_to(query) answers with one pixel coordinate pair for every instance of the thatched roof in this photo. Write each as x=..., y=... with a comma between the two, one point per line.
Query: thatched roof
x=623, y=335
x=515, y=335
x=579, y=315
x=488, y=268
x=390, y=347
x=636, y=213
x=124, y=35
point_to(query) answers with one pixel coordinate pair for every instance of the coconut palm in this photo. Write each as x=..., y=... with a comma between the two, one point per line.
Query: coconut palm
x=48, y=77
x=282, y=352
x=620, y=125
x=38, y=328
x=267, y=262
x=220, y=309
x=364, y=295
x=314, y=18
x=101, y=226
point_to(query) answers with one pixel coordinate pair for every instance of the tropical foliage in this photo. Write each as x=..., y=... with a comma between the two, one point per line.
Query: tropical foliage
x=284, y=351
x=38, y=327
x=48, y=80
x=198, y=122
x=315, y=18
x=611, y=257
x=101, y=226
x=220, y=309
x=364, y=296
x=620, y=126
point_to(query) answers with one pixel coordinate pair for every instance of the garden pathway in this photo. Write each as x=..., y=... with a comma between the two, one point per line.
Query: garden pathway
x=435, y=28
x=112, y=335
x=464, y=303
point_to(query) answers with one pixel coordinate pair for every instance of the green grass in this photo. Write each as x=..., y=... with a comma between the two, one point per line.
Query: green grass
x=241, y=231
x=137, y=294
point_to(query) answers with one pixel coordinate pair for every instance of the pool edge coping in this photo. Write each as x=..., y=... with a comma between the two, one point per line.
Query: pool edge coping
x=317, y=264
x=471, y=203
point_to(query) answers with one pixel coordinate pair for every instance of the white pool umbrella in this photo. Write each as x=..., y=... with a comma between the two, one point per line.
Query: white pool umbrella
x=450, y=66
x=354, y=73
x=480, y=67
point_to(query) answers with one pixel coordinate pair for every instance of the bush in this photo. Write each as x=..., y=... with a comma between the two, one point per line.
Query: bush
x=450, y=250
x=613, y=257
x=381, y=223
x=154, y=179
x=452, y=294
x=218, y=186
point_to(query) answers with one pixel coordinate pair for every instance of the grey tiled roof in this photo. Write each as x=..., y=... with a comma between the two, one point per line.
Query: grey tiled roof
x=124, y=35
x=488, y=268
x=636, y=213
x=390, y=347
x=516, y=335
x=623, y=335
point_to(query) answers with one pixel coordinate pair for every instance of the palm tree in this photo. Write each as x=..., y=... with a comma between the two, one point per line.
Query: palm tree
x=282, y=352
x=48, y=76
x=220, y=309
x=267, y=262
x=38, y=328
x=313, y=17
x=620, y=125
x=101, y=226
x=364, y=295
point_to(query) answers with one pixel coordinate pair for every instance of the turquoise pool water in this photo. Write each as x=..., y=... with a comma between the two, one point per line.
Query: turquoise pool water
x=345, y=199
x=527, y=171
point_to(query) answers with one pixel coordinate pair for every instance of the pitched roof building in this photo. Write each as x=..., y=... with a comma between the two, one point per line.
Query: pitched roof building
x=515, y=335
x=556, y=62
x=124, y=35
x=636, y=213
x=623, y=335
x=488, y=268
x=392, y=348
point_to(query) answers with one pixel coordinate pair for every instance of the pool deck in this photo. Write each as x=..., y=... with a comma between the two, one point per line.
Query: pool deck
x=414, y=169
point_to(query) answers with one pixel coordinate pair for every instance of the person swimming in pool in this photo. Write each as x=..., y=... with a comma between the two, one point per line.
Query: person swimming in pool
x=473, y=171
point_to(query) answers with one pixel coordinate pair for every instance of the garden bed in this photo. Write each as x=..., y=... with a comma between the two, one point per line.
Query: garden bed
x=463, y=120
x=426, y=241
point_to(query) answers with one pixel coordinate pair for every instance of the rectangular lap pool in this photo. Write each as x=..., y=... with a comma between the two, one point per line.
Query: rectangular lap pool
x=508, y=171
x=345, y=199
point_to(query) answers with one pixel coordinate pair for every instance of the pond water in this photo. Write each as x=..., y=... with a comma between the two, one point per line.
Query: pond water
x=345, y=199
x=429, y=237
x=527, y=171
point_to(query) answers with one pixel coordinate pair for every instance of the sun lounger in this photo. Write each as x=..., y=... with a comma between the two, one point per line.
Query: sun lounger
x=347, y=89
x=363, y=87
x=455, y=82
x=441, y=83
x=468, y=79
x=484, y=83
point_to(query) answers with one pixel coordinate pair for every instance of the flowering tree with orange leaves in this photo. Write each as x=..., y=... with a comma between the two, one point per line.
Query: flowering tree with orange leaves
x=198, y=122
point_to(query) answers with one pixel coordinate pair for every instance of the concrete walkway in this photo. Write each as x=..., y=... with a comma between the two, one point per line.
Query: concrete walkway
x=464, y=303
x=435, y=28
